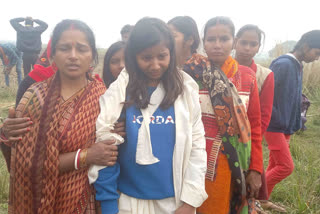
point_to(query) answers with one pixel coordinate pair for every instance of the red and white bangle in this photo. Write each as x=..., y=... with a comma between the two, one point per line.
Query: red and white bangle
x=76, y=159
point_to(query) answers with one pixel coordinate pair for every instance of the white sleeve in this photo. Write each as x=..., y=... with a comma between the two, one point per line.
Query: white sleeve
x=193, y=187
x=111, y=104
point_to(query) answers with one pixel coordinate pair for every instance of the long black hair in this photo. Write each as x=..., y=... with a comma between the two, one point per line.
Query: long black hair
x=311, y=39
x=188, y=27
x=146, y=33
x=107, y=77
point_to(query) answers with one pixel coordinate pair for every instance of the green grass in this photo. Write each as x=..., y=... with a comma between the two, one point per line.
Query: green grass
x=300, y=192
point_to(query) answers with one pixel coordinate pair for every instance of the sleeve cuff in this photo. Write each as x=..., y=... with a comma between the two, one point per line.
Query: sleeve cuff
x=109, y=207
x=193, y=195
x=256, y=168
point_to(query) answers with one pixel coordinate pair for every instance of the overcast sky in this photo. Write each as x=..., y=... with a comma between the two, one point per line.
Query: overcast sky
x=280, y=19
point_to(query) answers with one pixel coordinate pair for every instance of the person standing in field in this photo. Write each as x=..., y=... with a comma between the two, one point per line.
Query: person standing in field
x=229, y=100
x=286, y=111
x=247, y=44
x=29, y=40
x=10, y=57
x=113, y=62
x=125, y=32
x=186, y=36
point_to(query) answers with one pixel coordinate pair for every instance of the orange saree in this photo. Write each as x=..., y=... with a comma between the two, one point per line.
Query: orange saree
x=59, y=126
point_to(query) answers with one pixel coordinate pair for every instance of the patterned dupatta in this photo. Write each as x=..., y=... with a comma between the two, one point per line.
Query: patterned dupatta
x=36, y=186
x=232, y=120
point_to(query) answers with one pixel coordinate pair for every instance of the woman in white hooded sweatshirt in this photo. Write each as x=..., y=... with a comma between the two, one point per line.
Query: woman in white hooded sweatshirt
x=162, y=162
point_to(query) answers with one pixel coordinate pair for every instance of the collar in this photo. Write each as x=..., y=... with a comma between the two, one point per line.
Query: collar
x=293, y=56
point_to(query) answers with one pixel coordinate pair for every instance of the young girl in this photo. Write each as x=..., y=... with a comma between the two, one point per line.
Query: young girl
x=186, y=35
x=163, y=161
x=230, y=107
x=286, y=111
x=247, y=45
x=113, y=63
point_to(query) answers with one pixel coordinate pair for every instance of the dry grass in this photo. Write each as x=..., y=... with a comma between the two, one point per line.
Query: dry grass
x=311, y=81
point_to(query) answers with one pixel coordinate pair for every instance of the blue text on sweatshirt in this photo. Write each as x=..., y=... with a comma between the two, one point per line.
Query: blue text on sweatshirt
x=145, y=182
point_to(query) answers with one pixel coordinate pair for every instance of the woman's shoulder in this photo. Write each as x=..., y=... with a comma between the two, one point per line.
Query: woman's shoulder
x=97, y=88
x=98, y=83
x=246, y=72
x=245, y=69
x=284, y=62
x=38, y=86
x=263, y=69
x=263, y=72
x=247, y=77
x=34, y=95
x=188, y=82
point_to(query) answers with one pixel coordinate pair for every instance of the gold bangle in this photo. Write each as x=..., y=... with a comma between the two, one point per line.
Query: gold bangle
x=83, y=158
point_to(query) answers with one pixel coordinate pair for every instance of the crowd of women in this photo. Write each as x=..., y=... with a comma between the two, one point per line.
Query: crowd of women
x=174, y=132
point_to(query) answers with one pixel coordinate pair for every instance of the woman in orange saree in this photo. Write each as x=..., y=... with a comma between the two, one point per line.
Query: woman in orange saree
x=49, y=164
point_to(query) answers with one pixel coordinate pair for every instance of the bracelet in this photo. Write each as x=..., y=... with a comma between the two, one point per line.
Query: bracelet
x=76, y=158
x=83, y=158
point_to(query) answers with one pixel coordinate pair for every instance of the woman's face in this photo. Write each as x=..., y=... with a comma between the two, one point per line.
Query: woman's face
x=311, y=54
x=247, y=46
x=116, y=63
x=179, y=40
x=154, y=62
x=218, y=43
x=73, y=54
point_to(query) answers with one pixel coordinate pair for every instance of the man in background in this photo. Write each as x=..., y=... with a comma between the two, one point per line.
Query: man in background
x=10, y=57
x=29, y=40
x=125, y=32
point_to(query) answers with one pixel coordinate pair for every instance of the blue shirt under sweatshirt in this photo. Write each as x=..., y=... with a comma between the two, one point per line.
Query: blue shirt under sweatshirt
x=149, y=182
x=286, y=110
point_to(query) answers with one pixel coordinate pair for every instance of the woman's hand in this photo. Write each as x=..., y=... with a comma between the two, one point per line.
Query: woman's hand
x=253, y=181
x=14, y=128
x=185, y=209
x=103, y=153
x=120, y=128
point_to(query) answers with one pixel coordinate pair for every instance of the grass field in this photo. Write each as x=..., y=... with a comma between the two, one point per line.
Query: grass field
x=299, y=193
